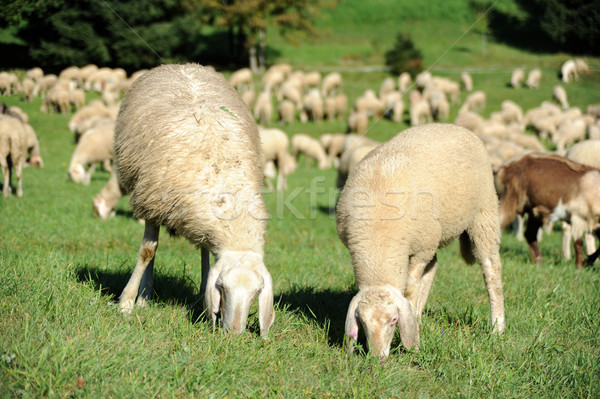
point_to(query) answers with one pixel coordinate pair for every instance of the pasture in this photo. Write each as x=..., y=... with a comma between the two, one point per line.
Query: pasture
x=62, y=270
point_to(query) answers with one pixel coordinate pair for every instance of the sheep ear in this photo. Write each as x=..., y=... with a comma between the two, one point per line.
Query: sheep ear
x=266, y=314
x=352, y=324
x=407, y=322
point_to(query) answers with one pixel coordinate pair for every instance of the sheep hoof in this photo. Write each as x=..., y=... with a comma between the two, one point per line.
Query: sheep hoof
x=126, y=306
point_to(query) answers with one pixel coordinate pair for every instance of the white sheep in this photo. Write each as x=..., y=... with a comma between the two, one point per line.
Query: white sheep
x=534, y=78
x=95, y=145
x=474, y=102
x=568, y=71
x=311, y=148
x=287, y=111
x=331, y=84
x=467, y=80
x=350, y=158
x=560, y=95
x=420, y=110
x=404, y=81
x=187, y=151
x=263, y=108
x=274, y=149
x=242, y=80
x=586, y=152
x=410, y=196
x=13, y=152
x=517, y=77
x=358, y=122
x=104, y=202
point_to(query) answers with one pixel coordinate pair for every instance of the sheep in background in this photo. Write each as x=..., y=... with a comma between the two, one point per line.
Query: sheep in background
x=105, y=201
x=474, y=102
x=571, y=131
x=511, y=112
x=517, y=77
x=313, y=106
x=13, y=152
x=85, y=118
x=387, y=86
x=287, y=112
x=95, y=145
x=36, y=74
x=549, y=188
x=311, y=148
x=568, y=71
x=410, y=196
x=394, y=106
x=534, y=78
x=312, y=80
x=9, y=83
x=274, y=149
x=341, y=105
x=331, y=84
x=586, y=152
x=467, y=80
x=404, y=81
x=333, y=145
x=28, y=89
x=440, y=107
x=242, y=80
x=288, y=91
x=248, y=98
x=263, y=108
x=187, y=151
x=350, y=158
x=469, y=120
x=560, y=95
x=420, y=110
x=358, y=121
x=581, y=66
x=369, y=102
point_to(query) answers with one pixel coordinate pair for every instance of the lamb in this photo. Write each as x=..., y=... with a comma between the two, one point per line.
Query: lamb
x=13, y=152
x=560, y=95
x=517, y=77
x=534, y=78
x=96, y=145
x=404, y=81
x=311, y=148
x=548, y=188
x=187, y=150
x=410, y=196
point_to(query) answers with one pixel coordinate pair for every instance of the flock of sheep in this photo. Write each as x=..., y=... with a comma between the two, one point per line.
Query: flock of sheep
x=185, y=145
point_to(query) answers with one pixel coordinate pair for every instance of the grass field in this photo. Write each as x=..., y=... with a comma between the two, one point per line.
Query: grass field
x=62, y=269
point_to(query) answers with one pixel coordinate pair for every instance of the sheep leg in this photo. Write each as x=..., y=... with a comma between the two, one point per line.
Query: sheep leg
x=205, y=261
x=142, y=272
x=578, y=244
x=19, y=175
x=487, y=253
x=417, y=268
x=531, y=232
x=590, y=243
x=566, y=240
x=5, y=180
x=425, y=286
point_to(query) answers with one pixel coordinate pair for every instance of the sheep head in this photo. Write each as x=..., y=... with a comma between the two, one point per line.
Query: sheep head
x=380, y=310
x=78, y=174
x=233, y=283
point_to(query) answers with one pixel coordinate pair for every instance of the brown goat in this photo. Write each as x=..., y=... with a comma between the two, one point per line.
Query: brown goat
x=548, y=188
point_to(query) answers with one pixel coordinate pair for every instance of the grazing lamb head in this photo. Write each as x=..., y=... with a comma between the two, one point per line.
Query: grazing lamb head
x=233, y=283
x=380, y=310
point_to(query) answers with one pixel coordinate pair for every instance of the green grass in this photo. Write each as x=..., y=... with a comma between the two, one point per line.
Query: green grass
x=62, y=269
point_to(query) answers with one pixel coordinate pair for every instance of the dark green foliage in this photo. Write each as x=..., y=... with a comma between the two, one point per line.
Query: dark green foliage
x=132, y=34
x=404, y=56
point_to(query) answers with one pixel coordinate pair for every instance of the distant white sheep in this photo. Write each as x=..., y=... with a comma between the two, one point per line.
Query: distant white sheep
x=13, y=152
x=311, y=148
x=534, y=78
x=467, y=80
x=560, y=95
x=418, y=192
x=517, y=77
x=95, y=145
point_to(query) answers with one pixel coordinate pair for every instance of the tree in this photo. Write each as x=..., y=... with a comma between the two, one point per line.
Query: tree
x=404, y=56
x=247, y=20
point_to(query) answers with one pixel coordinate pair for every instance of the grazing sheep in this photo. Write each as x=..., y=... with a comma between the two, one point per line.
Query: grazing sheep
x=350, y=158
x=274, y=149
x=560, y=95
x=568, y=71
x=511, y=112
x=387, y=86
x=420, y=110
x=394, y=106
x=548, y=188
x=95, y=145
x=358, y=121
x=313, y=106
x=311, y=148
x=333, y=144
x=28, y=89
x=287, y=112
x=534, y=78
x=410, y=196
x=248, y=98
x=187, y=151
x=469, y=120
x=517, y=77
x=332, y=84
x=263, y=108
x=404, y=81
x=467, y=80
x=104, y=202
x=36, y=74
x=474, y=102
x=242, y=80
x=586, y=152
x=13, y=152
x=369, y=102
x=440, y=107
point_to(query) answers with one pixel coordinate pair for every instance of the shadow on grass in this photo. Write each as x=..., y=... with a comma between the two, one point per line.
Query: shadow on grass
x=167, y=289
x=326, y=307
